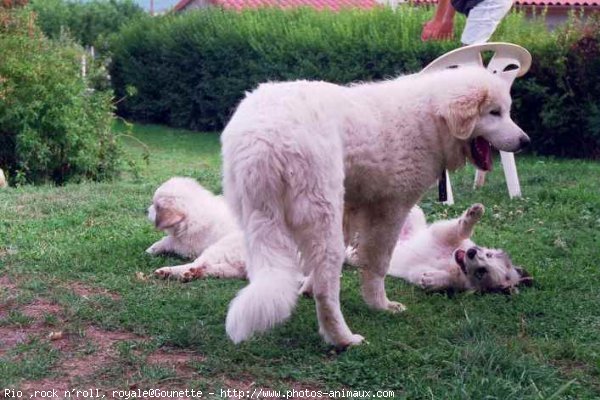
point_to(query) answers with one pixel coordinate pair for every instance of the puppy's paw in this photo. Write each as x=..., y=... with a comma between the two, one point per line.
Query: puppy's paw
x=475, y=212
x=395, y=307
x=432, y=281
x=194, y=273
x=163, y=273
x=180, y=272
x=156, y=248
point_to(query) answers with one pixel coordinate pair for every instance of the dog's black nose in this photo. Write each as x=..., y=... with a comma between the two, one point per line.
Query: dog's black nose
x=471, y=252
x=524, y=141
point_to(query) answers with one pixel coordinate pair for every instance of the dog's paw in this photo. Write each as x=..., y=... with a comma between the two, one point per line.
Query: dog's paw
x=475, y=212
x=353, y=340
x=180, y=272
x=163, y=273
x=395, y=307
x=156, y=248
x=345, y=343
x=194, y=273
x=432, y=281
x=152, y=250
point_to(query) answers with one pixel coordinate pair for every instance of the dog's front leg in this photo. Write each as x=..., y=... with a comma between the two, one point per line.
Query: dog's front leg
x=375, y=245
x=164, y=245
x=200, y=268
x=459, y=229
x=468, y=220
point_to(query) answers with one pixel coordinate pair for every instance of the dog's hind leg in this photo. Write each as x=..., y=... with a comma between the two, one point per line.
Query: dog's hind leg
x=315, y=212
x=375, y=245
x=322, y=248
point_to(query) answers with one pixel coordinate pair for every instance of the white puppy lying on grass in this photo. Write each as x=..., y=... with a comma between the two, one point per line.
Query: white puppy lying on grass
x=198, y=225
x=442, y=256
x=437, y=257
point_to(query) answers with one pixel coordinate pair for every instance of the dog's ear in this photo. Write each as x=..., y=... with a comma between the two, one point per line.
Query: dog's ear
x=525, y=278
x=461, y=112
x=166, y=215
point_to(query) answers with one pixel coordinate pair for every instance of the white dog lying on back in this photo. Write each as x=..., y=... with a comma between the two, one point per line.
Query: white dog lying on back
x=442, y=256
x=198, y=225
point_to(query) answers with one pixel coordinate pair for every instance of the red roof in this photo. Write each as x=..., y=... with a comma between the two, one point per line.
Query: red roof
x=334, y=5
x=562, y=3
x=339, y=4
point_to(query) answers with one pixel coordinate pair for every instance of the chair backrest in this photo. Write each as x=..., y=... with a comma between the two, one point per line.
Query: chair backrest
x=509, y=60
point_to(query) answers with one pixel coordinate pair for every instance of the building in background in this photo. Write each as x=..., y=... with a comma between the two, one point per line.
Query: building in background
x=334, y=5
x=557, y=11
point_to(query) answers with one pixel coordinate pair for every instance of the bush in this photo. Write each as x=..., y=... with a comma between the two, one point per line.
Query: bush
x=52, y=128
x=89, y=23
x=191, y=70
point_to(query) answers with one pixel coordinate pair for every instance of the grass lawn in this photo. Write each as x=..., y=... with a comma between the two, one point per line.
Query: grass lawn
x=79, y=307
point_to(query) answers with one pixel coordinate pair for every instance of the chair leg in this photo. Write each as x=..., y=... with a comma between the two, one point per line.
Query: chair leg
x=510, y=173
x=450, y=199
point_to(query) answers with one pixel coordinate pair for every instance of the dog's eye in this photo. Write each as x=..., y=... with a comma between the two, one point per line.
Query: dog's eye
x=488, y=255
x=496, y=113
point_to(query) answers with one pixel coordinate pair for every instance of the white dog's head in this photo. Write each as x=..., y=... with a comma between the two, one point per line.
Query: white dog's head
x=171, y=203
x=490, y=270
x=475, y=107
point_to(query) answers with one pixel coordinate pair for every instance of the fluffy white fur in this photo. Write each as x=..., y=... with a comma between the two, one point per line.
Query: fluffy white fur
x=295, y=154
x=442, y=256
x=198, y=225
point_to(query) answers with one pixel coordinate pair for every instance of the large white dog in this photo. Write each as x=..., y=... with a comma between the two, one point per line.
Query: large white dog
x=296, y=154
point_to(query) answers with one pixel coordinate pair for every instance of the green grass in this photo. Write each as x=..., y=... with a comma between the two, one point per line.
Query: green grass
x=540, y=344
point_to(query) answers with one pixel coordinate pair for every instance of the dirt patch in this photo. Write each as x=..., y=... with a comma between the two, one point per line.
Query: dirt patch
x=105, y=338
x=46, y=386
x=86, y=291
x=172, y=357
x=10, y=337
x=40, y=308
x=6, y=283
x=179, y=360
x=89, y=356
x=7, y=292
x=78, y=365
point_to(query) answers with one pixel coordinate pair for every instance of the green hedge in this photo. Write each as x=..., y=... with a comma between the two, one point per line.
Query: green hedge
x=190, y=70
x=52, y=128
x=89, y=22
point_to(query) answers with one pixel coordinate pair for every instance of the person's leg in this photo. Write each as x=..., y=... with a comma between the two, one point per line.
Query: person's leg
x=483, y=20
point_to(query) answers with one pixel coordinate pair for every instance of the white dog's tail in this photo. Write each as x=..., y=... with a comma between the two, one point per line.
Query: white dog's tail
x=271, y=296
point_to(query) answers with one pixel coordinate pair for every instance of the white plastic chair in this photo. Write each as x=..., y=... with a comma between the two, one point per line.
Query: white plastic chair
x=509, y=61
